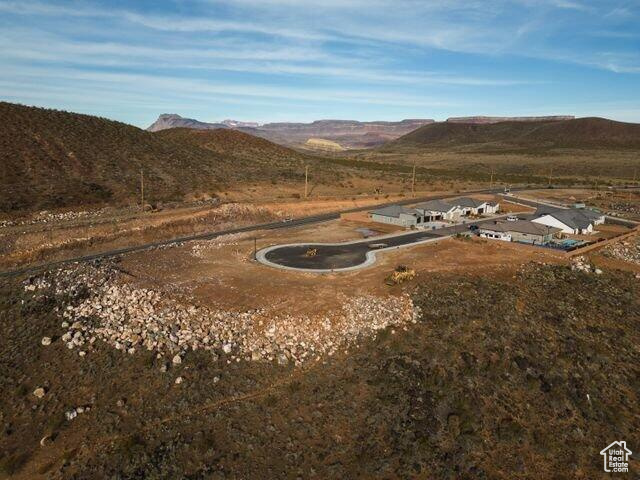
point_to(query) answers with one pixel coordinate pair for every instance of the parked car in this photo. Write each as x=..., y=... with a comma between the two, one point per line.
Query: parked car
x=512, y=218
x=474, y=228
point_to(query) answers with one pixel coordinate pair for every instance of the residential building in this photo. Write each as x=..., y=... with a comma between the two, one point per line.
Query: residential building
x=569, y=220
x=521, y=231
x=432, y=211
x=435, y=210
x=397, y=215
x=472, y=206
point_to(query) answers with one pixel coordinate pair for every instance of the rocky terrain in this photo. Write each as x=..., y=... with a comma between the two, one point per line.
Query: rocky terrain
x=95, y=305
x=171, y=120
x=519, y=374
x=631, y=209
x=627, y=250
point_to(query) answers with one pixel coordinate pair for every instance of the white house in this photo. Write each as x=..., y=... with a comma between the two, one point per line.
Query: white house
x=521, y=231
x=569, y=220
x=494, y=234
x=439, y=210
x=471, y=206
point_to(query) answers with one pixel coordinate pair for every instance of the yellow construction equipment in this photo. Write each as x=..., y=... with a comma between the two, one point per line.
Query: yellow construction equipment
x=402, y=273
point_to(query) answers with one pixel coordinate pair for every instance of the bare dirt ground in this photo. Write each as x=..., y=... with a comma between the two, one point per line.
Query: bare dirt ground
x=619, y=202
x=60, y=237
x=492, y=348
x=222, y=273
x=512, y=351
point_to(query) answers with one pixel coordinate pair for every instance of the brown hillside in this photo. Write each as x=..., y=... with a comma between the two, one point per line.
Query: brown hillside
x=230, y=142
x=54, y=159
x=579, y=133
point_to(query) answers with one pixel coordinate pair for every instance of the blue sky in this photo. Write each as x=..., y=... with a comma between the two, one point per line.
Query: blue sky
x=276, y=60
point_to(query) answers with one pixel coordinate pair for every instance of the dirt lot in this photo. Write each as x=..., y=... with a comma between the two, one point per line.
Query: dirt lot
x=70, y=234
x=621, y=202
x=223, y=274
x=492, y=348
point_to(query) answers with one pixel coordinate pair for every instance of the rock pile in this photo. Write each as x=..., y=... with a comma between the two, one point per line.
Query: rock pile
x=49, y=217
x=582, y=264
x=627, y=250
x=199, y=249
x=99, y=307
x=624, y=207
x=74, y=412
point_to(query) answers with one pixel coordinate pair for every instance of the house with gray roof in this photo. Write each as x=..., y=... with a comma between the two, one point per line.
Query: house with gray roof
x=473, y=206
x=397, y=215
x=569, y=220
x=434, y=210
x=520, y=231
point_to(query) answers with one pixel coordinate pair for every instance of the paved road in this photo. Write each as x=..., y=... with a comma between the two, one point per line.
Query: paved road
x=352, y=254
x=340, y=256
x=250, y=228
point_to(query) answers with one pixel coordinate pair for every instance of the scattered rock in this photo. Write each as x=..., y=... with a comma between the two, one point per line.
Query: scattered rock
x=582, y=264
x=177, y=360
x=46, y=341
x=627, y=250
x=39, y=392
x=178, y=380
x=282, y=359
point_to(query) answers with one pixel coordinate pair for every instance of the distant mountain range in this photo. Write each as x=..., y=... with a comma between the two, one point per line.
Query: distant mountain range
x=52, y=158
x=346, y=133
x=518, y=135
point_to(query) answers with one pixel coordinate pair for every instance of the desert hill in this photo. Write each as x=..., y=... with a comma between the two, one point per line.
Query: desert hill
x=238, y=144
x=53, y=159
x=348, y=133
x=581, y=133
x=483, y=119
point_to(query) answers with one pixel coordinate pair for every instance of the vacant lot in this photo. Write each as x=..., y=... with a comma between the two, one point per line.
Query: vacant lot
x=194, y=361
x=513, y=368
x=53, y=236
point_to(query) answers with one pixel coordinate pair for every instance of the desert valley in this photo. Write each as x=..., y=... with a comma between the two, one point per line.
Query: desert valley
x=252, y=240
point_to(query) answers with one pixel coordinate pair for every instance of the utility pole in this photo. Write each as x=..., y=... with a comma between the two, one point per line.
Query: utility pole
x=413, y=181
x=142, y=190
x=255, y=248
x=491, y=184
x=550, y=175
x=306, y=180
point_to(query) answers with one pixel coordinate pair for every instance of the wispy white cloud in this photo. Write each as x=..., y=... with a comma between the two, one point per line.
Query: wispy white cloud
x=405, y=54
x=25, y=45
x=205, y=89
